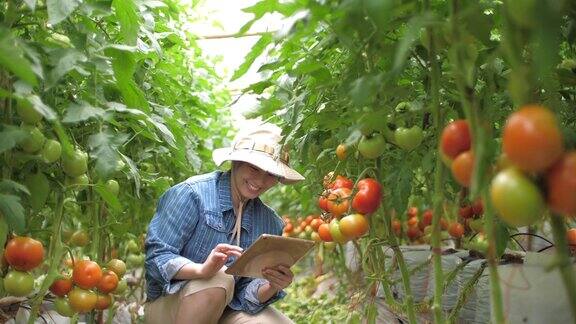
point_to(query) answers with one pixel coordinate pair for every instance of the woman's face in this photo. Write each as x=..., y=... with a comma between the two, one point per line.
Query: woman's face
x=252, y=181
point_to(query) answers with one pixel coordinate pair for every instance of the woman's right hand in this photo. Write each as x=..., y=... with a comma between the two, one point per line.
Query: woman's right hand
x=217, y=259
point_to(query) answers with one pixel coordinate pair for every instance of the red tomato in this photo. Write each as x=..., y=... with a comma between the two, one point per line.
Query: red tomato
x=456, y=230
x=316, y=222
x=354, y=225
x=413, y=232
x=338, y=201
x=427, y=217
x=103, y=301
x=288, y=228
x=462, y=168
x=412, y=222
x=324, y=232
x=455, y=138
x=443, y=224
x=24, y=253
x=531, y=139
x=86, y=274
x=561, y=183
x=61, y=286
x=397, y=227
x=368, y=198
x=478, y=207
x=323, y=200
x=412, y=212
x=466, y=212
x=571, y=237
x=342, y=182
x=108, y=282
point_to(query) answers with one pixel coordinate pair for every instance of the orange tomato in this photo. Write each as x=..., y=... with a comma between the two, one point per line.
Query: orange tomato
x=462, y=168
x=561, y=183
x=86, y=274
x=531, y=139
x=338, y=201
x=24, y=253
x=341, y=152
x=354, y=225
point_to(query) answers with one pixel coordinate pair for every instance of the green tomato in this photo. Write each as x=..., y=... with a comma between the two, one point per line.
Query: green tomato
x=51, y=151
x=18, y=283
x=75, y=164
x=516, y=198
x=118, y=266
x=479, y=243
x=121, y=288
x=335, y=232
x=477, y=225
x=132, y=247
x=80, y=182
x=372, y=147
x=34, y=141
x=135, y=260
x=63, y=307
x=27, y=113
x=113, y=187
x=408, y=138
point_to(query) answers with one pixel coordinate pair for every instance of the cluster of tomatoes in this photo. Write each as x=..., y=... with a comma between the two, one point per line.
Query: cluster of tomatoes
x=418, y=228
x=534, y=153
x=455, y=144
x=23, y=254
x=346, y=207
x=89, y=287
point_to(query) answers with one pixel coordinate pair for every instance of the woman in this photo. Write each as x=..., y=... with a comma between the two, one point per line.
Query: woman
x=202, y=224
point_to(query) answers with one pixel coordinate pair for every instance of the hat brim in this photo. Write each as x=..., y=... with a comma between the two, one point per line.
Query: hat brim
x=261, y=160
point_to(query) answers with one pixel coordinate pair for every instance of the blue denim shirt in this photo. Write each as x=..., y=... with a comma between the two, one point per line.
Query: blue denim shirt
x=193, y=217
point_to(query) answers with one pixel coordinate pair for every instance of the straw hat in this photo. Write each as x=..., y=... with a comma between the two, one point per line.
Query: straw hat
x=260, y=146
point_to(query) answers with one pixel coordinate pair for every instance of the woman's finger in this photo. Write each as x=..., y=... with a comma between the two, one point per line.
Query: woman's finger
x=223, y=247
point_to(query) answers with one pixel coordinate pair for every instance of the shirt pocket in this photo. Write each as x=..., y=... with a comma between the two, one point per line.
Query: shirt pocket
x=213, y=231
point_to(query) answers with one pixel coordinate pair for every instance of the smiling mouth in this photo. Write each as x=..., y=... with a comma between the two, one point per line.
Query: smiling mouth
x=252, y=187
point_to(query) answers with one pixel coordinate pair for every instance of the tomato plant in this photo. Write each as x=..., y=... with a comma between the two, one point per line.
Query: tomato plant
x=24, y=253
x=18, y=283
x=516, y=198
x=82, y=300
x=61, y=287
x=408, y=138
x=372, y=146
x=561, y=185
x=369, y=195
x=353, y=225
x=531, y=139
x=86, y=274
x=455, y=138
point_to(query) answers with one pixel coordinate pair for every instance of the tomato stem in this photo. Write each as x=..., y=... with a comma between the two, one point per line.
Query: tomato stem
x=56, y=252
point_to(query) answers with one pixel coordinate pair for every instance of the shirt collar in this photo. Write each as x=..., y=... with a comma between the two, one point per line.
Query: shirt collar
x=225, y=196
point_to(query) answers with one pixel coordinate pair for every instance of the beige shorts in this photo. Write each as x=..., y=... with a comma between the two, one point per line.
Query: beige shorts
x=164, y=309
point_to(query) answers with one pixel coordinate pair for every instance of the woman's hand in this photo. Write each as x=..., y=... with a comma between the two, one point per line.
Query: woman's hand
x=217, y=258
x=279, y=276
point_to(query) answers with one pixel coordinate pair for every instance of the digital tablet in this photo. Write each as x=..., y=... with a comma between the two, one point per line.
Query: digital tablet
x=269, y=251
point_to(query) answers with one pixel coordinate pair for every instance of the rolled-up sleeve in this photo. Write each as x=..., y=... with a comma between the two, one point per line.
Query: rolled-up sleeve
x=246, y=295
x=171, y=227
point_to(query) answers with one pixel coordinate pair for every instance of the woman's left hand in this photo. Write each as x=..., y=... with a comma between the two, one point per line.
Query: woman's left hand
x=279, y=276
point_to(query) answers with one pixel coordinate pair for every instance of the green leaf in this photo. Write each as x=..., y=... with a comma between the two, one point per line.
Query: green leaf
x=80, y=112
x=58, y=10
x=104, y=146
x=39, y=189
x=12, y=57
x=124, y=66
x=415, y=25
x=67, y=61
x=259, y=87
x=128, y=16
x=110, y=199
x=10, y=136
x=13, y=211
x=164, y=131
x=42, y=108
x=12, y=186
x=133, y=171
x=254, y=53
x=118, y=107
